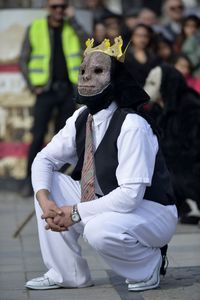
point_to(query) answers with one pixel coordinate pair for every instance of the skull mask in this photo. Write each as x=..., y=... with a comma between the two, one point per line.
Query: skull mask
x=94, y=83
x=94, y=74
x=153, y=83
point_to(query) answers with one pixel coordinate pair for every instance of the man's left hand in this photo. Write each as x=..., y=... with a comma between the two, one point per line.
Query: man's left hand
x=63, y=221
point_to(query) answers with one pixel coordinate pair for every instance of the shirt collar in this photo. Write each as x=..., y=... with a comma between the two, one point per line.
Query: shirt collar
x=104, y=114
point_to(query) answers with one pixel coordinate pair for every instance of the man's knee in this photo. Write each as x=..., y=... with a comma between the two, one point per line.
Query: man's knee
x=96, y=236
x=64, y=190
x=57, y=183
x=99, y=236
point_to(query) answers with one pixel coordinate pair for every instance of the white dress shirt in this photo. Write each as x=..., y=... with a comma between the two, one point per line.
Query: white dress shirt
x=137, y=149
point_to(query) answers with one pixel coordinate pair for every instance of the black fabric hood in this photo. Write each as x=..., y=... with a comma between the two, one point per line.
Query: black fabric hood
x=173, y=87
x=127, y=92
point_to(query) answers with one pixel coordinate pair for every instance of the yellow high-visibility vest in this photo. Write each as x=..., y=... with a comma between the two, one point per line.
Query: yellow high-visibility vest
x=39, y=64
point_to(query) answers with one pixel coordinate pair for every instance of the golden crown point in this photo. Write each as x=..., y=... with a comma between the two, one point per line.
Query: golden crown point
x=115, y=50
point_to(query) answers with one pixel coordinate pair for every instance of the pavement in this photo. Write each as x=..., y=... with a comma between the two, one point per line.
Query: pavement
x=20, y=260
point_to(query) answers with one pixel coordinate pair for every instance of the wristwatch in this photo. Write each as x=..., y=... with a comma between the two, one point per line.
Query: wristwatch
x=75, y=217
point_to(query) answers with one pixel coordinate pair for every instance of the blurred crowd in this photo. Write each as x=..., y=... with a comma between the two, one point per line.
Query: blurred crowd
x=173, y=37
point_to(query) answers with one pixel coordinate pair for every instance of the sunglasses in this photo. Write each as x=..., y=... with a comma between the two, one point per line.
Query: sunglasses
x=55, y=6
x=180, y=7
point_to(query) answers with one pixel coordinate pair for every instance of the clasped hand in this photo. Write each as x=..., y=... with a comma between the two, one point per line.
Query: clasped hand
x=57, y=219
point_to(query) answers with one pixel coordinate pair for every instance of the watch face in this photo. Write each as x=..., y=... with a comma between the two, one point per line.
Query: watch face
x=75, y=217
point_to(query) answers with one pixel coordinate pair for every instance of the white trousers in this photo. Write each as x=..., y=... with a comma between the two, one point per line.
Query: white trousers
x=129, y=243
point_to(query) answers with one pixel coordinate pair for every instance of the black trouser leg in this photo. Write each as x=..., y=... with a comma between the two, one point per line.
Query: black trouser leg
x=65, y=109
x=42, y=114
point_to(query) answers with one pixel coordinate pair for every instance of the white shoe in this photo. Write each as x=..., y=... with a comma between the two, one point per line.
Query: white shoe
x=151, y=283
x=41, y=283
x=46, y=283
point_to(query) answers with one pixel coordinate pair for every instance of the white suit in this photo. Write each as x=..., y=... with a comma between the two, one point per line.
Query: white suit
x=125, y=229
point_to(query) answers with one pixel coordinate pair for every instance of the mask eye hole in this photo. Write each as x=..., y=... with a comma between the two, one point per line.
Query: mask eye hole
x=98, y=70
x=152, y=83
x=82, y=71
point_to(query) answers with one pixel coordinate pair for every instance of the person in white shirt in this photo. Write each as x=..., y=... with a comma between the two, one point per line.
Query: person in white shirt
x=132, y=213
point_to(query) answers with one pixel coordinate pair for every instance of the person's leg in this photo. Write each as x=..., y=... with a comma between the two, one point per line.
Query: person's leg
x=41, y=115
x=65, y=108
x=130, y=243
x=60, y=251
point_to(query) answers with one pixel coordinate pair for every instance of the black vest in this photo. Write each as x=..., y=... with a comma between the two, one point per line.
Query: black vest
x=106, y=160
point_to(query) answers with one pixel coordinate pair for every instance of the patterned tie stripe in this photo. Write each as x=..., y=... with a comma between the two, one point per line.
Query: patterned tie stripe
x=88, y=176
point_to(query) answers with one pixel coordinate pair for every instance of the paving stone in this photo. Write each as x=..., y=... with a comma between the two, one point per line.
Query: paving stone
x=13, y=295
x=93, y=293
x=11, y=281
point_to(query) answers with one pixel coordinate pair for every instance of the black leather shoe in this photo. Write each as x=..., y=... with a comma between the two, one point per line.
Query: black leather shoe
x=165, y=262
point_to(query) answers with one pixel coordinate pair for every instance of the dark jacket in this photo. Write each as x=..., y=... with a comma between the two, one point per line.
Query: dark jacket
x=179, y=121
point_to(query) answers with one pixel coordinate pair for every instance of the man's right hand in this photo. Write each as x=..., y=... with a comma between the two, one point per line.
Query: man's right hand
x=50, y=210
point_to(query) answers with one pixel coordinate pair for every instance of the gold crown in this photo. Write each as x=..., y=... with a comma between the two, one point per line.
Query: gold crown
x=115, y=50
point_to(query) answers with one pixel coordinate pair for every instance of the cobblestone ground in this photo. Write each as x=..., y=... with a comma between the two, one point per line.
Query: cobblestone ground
x=20, y=260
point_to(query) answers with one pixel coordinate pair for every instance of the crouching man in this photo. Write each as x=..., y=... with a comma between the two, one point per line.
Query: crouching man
x=119, y=196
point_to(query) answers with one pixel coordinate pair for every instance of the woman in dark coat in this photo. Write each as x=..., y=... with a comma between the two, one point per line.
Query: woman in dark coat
x=176, y=109
x=139, y=57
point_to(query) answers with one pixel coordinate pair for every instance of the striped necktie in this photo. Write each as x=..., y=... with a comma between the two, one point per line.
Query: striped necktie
x=87, y=175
